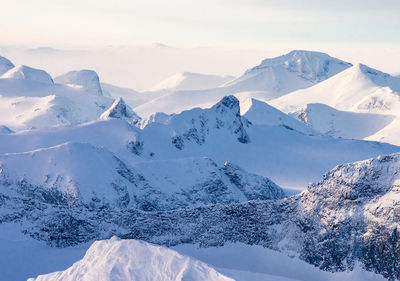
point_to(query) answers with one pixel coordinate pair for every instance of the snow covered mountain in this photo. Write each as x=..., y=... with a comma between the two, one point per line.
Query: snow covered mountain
x=272, y=78
x=284, y=74
x=260, y=113
x=186, y=81
x=289, y=157
x=27, y=73
x=359, y=89
x=30, y=99
x=88, y=80
x=350, y=125
x=119, y=109
x=80, y=174
x=336, y=224
x=122, y=260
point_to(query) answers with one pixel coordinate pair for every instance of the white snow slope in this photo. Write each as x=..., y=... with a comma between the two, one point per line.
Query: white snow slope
x=272, y=78
x=30, y=99
x=359, y=89
x=289, y=157
x=123, y=260
x=345, y=124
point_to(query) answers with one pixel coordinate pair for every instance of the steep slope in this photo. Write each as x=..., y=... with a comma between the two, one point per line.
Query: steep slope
x=120, y=260
x=272, y=78
x=345, y=124
x=88, y=80
x=119, y=109
x=260, y=113
x=185, y=81
x=5, y=65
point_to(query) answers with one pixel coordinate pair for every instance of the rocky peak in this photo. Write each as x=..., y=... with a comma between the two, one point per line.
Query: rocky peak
x=230, y=103
x=120, y=110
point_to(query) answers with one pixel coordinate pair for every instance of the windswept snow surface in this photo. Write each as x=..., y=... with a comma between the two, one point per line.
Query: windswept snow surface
x=272, y=78
x=123, y=260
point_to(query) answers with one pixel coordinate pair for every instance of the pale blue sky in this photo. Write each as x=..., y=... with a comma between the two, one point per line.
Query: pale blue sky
x=205, y=22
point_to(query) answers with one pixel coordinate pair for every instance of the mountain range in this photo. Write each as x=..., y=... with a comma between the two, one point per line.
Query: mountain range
x=202, y=160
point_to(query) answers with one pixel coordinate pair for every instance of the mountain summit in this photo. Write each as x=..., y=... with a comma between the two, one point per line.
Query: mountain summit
x=293, y=71
x=119, y=109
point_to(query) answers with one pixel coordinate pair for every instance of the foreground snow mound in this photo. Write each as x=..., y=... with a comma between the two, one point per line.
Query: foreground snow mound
x=191, y=81
x=24, y=72
x=5, y=65
x=124, y=260
x=88, y=80
x=119, y=109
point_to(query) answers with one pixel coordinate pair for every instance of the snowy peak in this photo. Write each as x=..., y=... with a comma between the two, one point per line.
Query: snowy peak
x=119, y=109
x=228, y=103
x=312, y=66
x=85, y=79
x=24, y=72
x=186, y=81
x=116, y=259
x=364, y=179
x=5, y=65
x=281, y=75
x=261, y=113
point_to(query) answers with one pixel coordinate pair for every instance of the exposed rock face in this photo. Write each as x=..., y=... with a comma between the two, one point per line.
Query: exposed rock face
x=76, y=174
x=351, y=216
x=119, y=109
